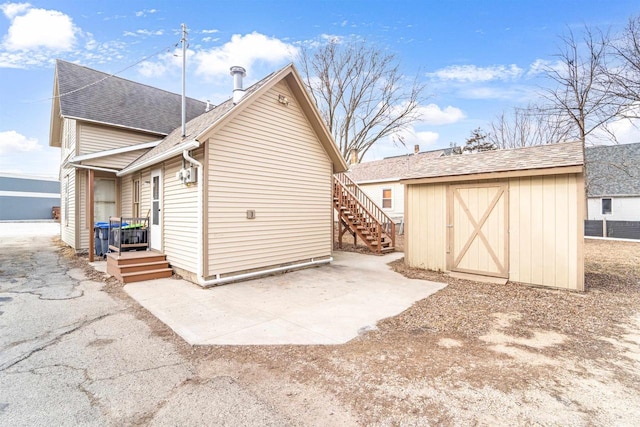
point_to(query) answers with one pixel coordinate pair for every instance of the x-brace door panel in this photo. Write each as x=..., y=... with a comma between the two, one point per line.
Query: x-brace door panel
x=478, y=221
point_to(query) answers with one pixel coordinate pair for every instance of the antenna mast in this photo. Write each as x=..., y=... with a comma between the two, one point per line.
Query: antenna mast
x=184, y=72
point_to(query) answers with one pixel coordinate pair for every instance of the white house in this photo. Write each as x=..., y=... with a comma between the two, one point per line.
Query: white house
x=613, y=182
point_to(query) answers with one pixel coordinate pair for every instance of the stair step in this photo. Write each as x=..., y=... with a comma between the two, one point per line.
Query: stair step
x=388, y=249
x=145, y=266
x=140, y=276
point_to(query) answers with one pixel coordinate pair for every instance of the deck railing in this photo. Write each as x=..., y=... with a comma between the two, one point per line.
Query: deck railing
x=128, y=234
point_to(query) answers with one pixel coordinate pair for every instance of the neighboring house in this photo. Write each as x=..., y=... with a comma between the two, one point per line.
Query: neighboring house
x=246, y=190
x=613, y=182
x=28, y=197
x=380, y=179
x=511, y=214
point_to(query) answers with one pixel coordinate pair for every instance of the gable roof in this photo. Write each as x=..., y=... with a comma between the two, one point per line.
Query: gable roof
x=92, y=95
x=392, y=168
x=613, y=170
x=198, y=129
x=488, y=163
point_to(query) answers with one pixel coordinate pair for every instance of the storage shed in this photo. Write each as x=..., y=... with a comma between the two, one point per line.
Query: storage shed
x=510, y=214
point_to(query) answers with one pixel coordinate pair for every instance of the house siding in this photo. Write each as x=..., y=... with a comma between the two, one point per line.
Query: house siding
x=126, y=192
x=622, y=208
x=374, y=191
x=94, y=138
x=68, y=217
x=180, y=216
x=268, y=159
x=118, y=161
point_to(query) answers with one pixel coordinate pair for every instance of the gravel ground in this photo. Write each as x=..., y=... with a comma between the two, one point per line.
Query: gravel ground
x=472, y=354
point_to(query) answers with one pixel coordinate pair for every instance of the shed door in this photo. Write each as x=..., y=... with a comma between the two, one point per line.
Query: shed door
x=478, y=220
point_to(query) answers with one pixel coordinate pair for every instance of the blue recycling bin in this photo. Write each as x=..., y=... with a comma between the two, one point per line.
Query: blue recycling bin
x=101, y=234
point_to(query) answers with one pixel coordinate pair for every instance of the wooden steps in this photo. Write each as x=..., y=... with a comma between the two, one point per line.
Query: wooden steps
x=138, y=266
x=361, y=217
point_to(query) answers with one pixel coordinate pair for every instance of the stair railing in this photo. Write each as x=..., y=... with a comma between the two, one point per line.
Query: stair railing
x=346, y=190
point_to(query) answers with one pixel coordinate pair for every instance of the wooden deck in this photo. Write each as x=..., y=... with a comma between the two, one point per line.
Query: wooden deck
x=136, y=266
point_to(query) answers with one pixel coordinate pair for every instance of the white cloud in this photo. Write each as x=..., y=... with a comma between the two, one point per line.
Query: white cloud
x=432, y=114
x=244, y=51
x=11, y=141
x=143, y=33
x=11, y=10
x=541, y=66
x=145, y=12
x=472, y=73
x=32, y=29
x=209, y=31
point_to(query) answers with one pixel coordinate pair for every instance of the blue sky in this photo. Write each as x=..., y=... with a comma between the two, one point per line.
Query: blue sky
x=477, y=58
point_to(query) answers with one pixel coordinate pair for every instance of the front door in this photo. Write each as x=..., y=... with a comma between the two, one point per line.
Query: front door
x=478, y=240
x=155, y=238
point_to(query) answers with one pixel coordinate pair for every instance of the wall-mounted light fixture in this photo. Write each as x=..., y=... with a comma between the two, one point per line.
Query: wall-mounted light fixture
x=283, y=100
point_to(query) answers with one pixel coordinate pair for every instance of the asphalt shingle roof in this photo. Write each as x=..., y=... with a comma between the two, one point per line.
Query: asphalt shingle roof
x=96, y=96
x=613, y=170
x=538, y=157
x=392, y=168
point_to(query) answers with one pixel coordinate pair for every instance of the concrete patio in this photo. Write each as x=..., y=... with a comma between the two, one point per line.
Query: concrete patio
x=330, y=304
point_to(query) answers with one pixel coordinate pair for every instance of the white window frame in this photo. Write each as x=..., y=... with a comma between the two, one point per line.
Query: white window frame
x=390, y=199
x=610, y=205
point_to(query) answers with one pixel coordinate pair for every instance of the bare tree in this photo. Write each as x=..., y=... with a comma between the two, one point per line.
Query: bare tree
x=524, y=127
x=361, y=93
x=582, y=93
x=624, y=73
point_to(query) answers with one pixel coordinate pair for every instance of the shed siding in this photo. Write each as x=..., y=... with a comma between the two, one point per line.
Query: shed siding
x=180, y=217
x=426, y=226
x=268, y=159
x=545, y=221
x=94, y=138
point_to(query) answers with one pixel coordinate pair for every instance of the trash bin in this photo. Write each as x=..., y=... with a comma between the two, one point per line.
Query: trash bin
x=101, y=234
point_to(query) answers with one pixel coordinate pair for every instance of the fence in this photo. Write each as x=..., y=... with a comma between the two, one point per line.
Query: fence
x=616, y=229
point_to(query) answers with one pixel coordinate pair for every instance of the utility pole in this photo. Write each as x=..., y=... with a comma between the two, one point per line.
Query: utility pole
x=184, y=79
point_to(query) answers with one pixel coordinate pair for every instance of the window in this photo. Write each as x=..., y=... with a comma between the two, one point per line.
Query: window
x=606, y=206
x=136, y=198
x=386, y=199
x=104, y=197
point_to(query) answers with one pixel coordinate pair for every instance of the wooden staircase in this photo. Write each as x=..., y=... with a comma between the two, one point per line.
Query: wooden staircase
x=138, y=266
x=361, y=217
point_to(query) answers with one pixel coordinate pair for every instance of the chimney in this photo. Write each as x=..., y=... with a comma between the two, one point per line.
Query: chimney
x=238, y=73
x=353, y=156
x=416, y=149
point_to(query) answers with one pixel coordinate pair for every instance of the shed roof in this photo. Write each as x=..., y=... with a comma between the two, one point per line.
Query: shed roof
x=99, y=97
x=392, y=168
x=613, y=170
x=470, y=166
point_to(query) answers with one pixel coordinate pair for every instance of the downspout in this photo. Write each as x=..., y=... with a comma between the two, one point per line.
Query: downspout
x=221, y=280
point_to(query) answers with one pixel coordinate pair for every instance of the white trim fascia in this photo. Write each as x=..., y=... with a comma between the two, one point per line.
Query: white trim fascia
x=175, y=151
x=113, y=125
x=93, y=168
x=114, y=151
x=34, y=177
x=30, y=194
x=378, y=181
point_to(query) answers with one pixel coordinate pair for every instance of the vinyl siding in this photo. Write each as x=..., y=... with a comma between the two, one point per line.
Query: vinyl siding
x=69, y=138
x=126, y=195
x=426, y=226
x=68, y=218
x=269, y=160
x=374, y=191
x=96, y=138
x=180, y=216
x=82, y=227
x=118, y=161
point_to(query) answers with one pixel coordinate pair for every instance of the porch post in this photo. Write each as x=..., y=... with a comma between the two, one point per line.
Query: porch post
x=91, y=222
